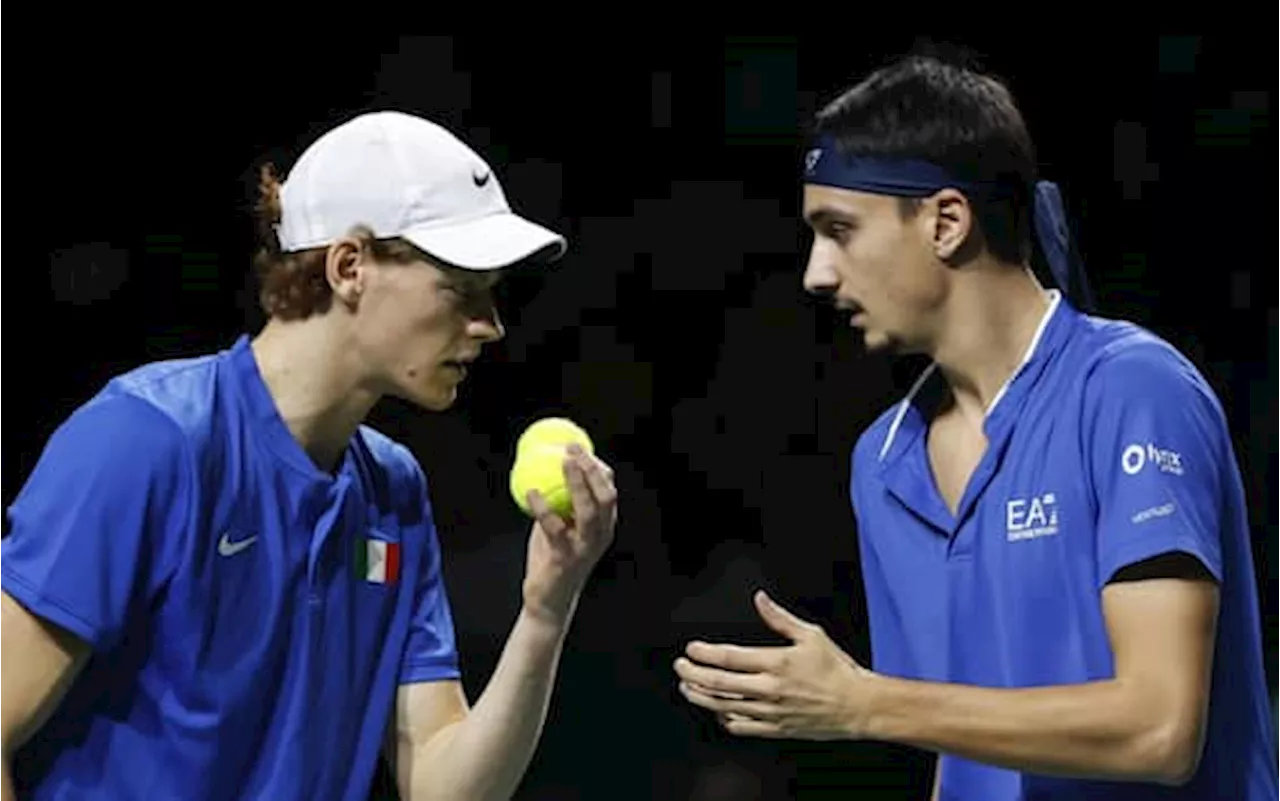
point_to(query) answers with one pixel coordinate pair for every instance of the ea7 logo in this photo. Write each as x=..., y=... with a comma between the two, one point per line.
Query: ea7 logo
x=811, y=159
x=1135, y=457
x=1029, y=518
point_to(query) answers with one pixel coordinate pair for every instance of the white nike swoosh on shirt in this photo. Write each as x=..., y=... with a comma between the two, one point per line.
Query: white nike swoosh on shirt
x=228, y=548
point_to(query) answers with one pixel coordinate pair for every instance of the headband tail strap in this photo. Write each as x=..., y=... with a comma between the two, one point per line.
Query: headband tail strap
x=1055, y=241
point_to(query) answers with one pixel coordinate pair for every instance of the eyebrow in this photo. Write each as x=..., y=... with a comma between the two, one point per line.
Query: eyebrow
x=827, y=214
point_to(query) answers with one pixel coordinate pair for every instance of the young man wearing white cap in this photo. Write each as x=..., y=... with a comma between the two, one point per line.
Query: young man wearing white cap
x=219, y=583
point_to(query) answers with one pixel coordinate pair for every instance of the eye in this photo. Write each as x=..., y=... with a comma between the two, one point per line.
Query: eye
x=469, y=298
x=839, y=231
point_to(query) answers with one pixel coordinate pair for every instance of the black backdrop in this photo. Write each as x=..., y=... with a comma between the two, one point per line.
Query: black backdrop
x=675, y=329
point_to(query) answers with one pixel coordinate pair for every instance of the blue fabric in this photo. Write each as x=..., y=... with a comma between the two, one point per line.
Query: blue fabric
x=1106, y=448
x=175, y=525
x=825, y=165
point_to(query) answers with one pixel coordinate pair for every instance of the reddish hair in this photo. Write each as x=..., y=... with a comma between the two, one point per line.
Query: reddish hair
x=293, y=286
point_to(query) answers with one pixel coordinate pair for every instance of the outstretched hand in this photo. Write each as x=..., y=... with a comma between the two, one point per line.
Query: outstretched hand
x=809, y=689
x=563, y=552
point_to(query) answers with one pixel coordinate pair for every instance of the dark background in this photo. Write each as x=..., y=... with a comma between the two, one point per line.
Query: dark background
x=675, y=330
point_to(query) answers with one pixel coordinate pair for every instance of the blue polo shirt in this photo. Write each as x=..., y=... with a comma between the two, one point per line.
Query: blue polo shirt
x=1106, y=447
x=250, y=616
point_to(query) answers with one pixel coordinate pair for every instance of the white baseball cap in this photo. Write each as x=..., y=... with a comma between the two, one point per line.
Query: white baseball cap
x=404, y=176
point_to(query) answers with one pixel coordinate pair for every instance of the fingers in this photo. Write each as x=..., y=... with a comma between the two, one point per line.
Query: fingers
x=597, y=475
x=591, y=488
x=758, y=710
x=551, y=523
x=736, y=657
x=749, y=727
x=600, y=479
x=584, y=504
x=781, y=620
x=722, y=682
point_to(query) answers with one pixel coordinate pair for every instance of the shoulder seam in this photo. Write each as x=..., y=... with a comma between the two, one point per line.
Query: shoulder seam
x=126, y=397
x=136, y=378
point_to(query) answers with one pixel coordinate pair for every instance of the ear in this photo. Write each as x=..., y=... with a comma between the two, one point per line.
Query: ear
x=953, y=222
x=344, y=269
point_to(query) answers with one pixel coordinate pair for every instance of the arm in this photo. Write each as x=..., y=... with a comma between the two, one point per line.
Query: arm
x=1157, y=579
x=1146, y=724
x=37, y=663
x=444, y=751
x=93, y=533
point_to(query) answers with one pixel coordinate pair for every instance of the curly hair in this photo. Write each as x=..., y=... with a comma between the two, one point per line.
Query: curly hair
x=293, y=286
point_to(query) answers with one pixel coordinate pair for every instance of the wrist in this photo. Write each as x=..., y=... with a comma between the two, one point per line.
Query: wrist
x=874, y=694
x=551, y=604
x=550, y=621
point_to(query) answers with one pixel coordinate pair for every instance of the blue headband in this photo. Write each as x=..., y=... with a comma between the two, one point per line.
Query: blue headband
x=824, y=165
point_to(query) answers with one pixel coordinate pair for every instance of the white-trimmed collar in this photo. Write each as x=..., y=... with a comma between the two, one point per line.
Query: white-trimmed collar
x=1055, y=298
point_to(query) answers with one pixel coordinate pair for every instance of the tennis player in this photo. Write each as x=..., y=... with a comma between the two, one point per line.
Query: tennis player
x=219, y=583
x=1052, y=526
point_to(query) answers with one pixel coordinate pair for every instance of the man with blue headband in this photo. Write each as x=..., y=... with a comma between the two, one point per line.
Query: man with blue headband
x=1052, y=526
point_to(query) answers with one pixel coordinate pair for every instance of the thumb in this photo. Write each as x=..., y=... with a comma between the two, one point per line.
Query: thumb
x=779, y=619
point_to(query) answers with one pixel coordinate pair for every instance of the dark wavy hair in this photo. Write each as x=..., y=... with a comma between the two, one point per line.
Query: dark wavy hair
x=935, y=104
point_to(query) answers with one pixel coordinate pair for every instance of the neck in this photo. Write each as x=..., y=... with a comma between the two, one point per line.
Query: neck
x=316, y=385
x=990, y=321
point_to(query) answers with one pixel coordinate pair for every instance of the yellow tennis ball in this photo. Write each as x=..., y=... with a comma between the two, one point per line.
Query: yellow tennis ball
x=540, y=454
x=541, y=468
x=554, y=431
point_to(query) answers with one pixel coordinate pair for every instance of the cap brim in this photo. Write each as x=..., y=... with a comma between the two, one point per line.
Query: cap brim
x=488, y=243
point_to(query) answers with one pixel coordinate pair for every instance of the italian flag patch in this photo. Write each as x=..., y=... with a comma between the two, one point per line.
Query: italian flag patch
x=377, y=561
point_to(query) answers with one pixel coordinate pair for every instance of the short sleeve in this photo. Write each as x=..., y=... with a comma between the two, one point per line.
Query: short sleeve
x=431, y=652
x=1160, y=460
x=98, y=523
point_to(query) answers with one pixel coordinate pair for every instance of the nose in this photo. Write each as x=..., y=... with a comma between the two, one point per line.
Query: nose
x=487, y=327
x=820, y=276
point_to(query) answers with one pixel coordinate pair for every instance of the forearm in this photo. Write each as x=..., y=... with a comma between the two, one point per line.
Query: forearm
x=1100, y=730
x=486, y=755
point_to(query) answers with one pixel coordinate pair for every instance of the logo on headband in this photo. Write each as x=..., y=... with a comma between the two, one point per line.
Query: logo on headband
x=811, y=159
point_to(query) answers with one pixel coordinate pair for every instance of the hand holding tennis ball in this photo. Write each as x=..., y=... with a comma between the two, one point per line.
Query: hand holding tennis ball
x=540, y=456
x=575, y=509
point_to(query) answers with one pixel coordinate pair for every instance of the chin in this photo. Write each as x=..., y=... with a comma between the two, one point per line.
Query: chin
x=432, y=399
x=439, y=400
x=431, y=388
x=436, y=403
x=875, y=341
x=881, y=343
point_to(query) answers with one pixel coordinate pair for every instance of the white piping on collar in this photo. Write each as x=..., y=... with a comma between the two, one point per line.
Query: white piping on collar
x=1054, y=298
